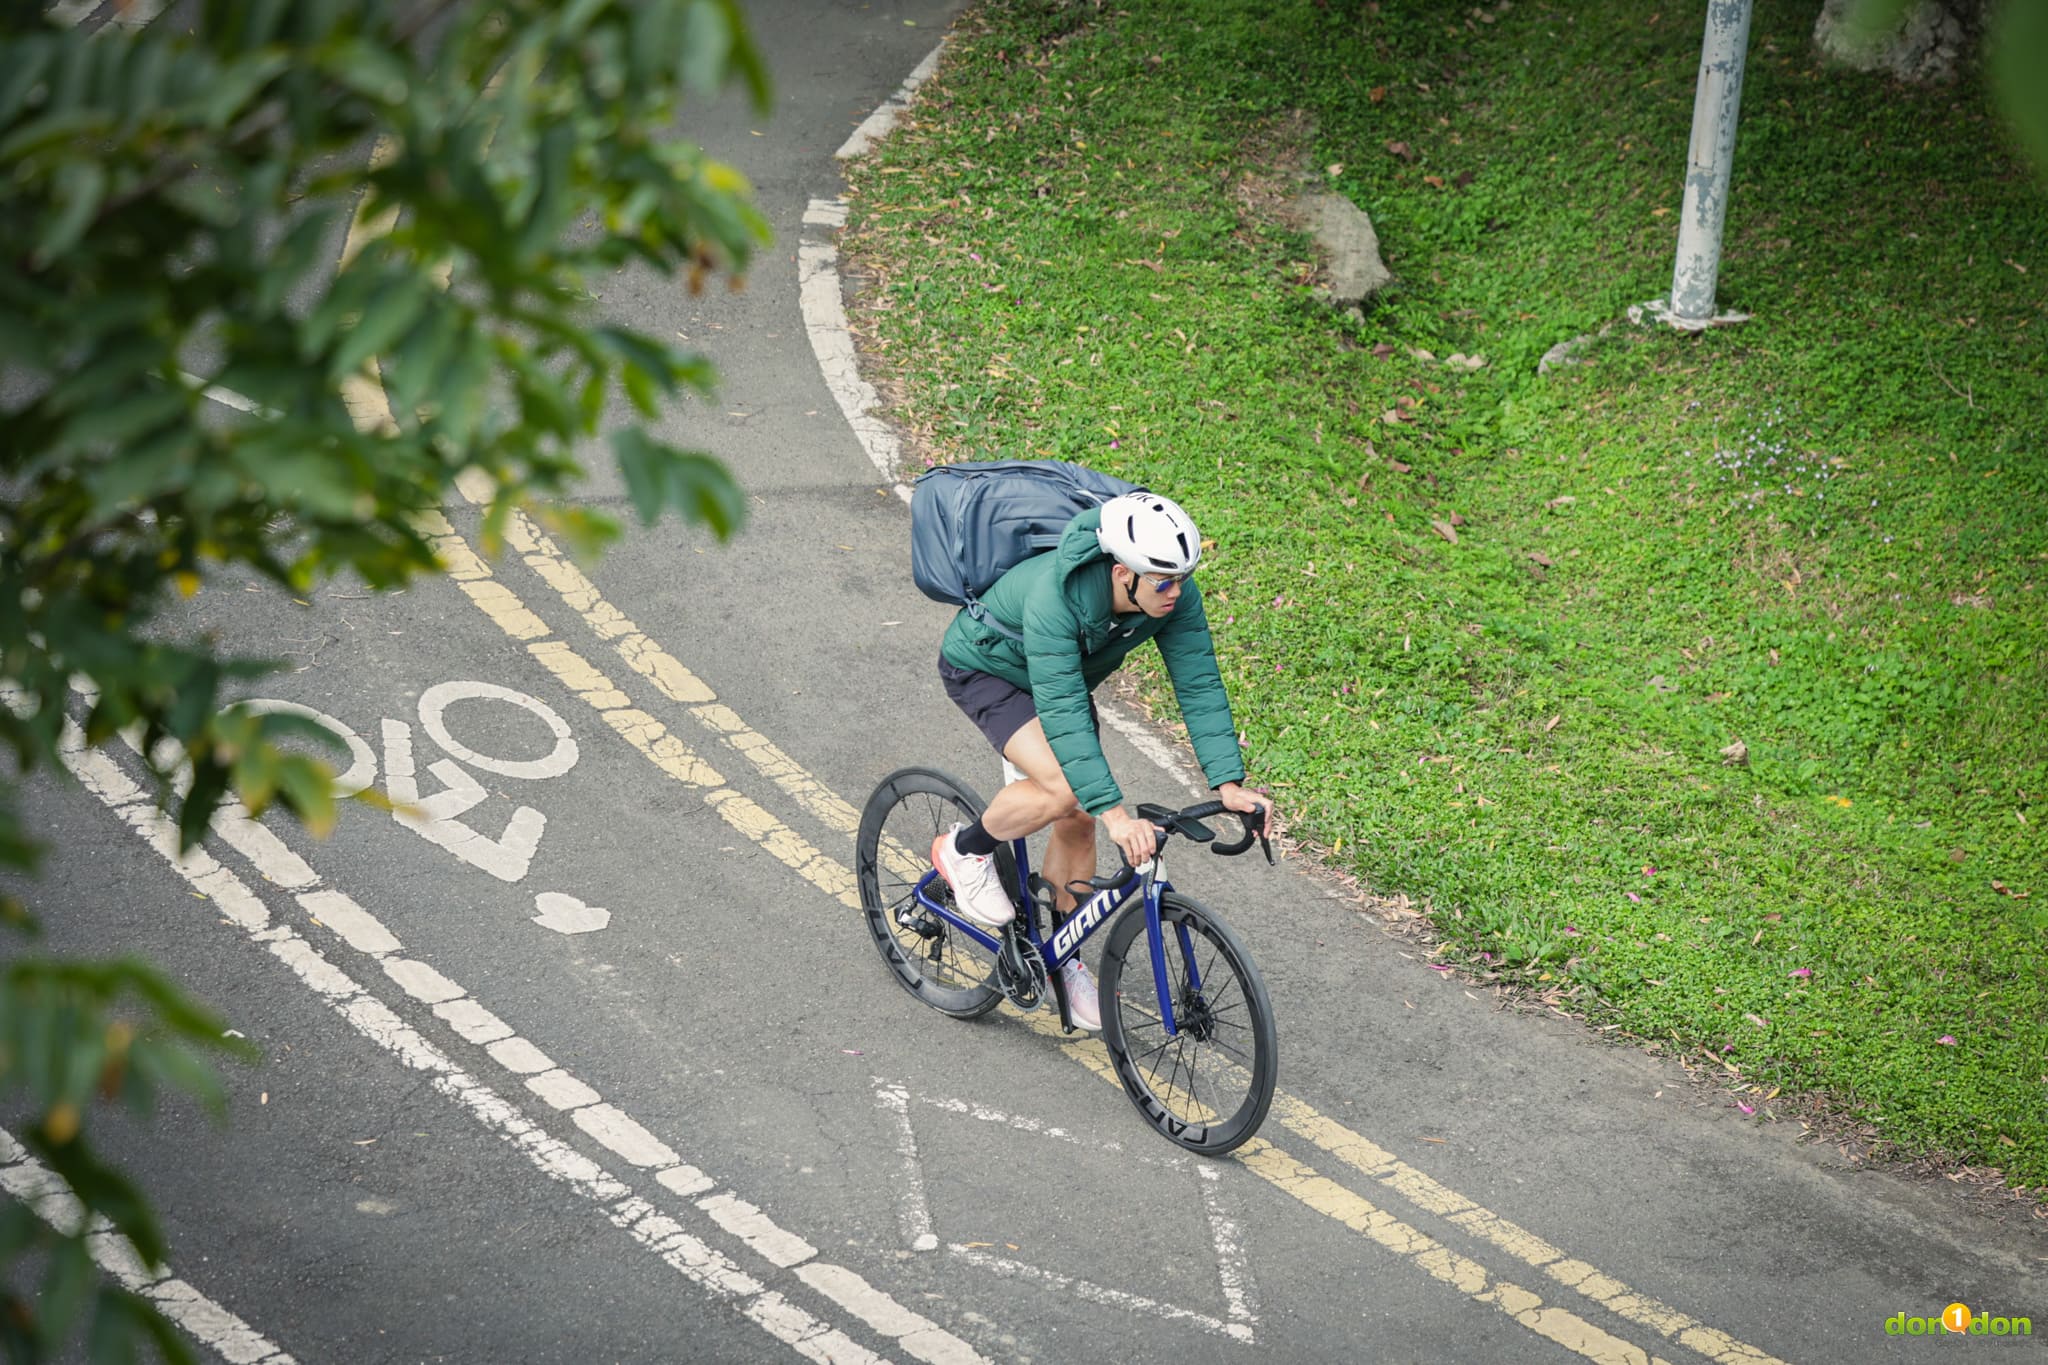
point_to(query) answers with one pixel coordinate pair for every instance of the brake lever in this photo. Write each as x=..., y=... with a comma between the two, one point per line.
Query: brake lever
x=1254, y=828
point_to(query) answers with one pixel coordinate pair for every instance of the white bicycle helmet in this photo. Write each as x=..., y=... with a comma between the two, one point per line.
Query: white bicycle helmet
x=1149, y=534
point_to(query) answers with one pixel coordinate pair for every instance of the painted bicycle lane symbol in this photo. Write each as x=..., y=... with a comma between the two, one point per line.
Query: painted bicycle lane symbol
x=438, y=815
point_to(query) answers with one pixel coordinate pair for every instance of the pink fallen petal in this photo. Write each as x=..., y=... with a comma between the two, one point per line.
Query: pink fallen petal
x=1278, y=600
x=1114, y=445
x=1744, y=1108
x=1572, y=929
x=1947, y=1040
x=1649, y=872
x=853, y=1052
x=1803, y=971
x=1438, y=967
x=1634, y=897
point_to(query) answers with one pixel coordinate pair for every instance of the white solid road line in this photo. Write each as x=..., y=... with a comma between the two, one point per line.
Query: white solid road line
x=824, y=311
x=213, y=1326
x=882, y=122
x=657, y=1232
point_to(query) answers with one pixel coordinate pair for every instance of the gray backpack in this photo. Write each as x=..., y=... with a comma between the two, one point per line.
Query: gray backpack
x=970, y=523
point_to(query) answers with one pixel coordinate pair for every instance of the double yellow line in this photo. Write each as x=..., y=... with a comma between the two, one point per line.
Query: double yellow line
x=677, y=760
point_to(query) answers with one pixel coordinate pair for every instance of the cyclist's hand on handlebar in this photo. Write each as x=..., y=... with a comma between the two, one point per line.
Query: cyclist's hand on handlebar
x=1138, y=840
x=1235, y=796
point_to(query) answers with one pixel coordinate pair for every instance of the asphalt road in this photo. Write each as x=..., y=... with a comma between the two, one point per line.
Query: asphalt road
x=608, y=1070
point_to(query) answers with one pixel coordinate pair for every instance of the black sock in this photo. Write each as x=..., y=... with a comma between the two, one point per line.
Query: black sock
x=975, y=841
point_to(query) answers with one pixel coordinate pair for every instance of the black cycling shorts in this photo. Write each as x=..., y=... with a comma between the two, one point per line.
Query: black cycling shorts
x=998, y=707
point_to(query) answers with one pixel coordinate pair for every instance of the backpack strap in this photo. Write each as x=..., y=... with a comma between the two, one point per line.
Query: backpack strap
x=987, y=618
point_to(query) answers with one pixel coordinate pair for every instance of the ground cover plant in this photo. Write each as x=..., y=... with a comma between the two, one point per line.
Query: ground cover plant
x=1697, y=685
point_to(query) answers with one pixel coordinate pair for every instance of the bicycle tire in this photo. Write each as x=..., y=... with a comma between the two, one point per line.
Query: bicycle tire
x=1227, y=1044
x=932, y=959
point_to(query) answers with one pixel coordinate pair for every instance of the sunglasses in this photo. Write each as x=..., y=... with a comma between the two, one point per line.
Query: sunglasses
x=1166, y=583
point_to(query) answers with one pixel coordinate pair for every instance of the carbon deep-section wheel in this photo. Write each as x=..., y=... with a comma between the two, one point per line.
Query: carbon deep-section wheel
x=933, y=960
x=1208, y=1085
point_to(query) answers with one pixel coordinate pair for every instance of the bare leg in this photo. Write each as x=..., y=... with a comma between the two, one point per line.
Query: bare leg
x=1045, y=798
x=1070, y=857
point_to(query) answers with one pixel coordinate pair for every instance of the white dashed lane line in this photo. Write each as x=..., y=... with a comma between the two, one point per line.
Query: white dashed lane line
x=604, y=1123
x=213, y=1326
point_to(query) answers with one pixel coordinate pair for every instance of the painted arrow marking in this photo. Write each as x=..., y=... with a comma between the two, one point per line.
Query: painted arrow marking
x=567, y=915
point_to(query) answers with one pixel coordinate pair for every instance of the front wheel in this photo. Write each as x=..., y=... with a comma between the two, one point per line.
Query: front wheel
x=933, y=960
x=1208, y=1085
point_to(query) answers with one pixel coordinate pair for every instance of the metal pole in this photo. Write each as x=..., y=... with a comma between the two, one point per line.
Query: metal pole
x=1708, y=162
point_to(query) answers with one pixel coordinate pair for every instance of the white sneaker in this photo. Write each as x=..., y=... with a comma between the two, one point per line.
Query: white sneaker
x=1084, y=1009
x=977, y=886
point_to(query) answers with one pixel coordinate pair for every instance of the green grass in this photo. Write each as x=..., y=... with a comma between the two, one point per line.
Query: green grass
x=1819, y=533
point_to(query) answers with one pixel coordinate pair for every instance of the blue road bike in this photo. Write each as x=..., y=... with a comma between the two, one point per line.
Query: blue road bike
x=1186, y=1018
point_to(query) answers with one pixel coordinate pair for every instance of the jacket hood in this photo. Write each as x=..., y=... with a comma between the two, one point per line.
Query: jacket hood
x=1079, y=546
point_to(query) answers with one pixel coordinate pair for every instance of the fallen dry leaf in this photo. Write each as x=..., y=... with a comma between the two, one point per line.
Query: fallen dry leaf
x=1434, y=181
x=1551, y=724
x=1540, y=558
x=1376, y=94
x=1398, y=467
x=1735, y=755
x=1464, y=178
x=1446, y=530
x=1392, y=417
x=1402, y=150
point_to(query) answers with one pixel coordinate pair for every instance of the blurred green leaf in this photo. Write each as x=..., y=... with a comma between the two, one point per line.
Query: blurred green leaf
x=51, y=129
x=179, y=194
x=301, y=248
x=68, y=1283
x=385, y=319
x=79, y=188
x=369, y=71
x=707, y=46
x=237, y=82
x=2018, y=42
x=125, y=418
x=659, y=477
x=28, y=58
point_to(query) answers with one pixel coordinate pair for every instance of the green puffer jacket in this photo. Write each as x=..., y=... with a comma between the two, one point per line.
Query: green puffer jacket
x=1060, y=600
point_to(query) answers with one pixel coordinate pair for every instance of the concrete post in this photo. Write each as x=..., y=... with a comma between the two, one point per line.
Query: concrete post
x=1708, y=162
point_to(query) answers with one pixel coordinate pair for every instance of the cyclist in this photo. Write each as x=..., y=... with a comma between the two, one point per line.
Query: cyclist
x=1121, y=575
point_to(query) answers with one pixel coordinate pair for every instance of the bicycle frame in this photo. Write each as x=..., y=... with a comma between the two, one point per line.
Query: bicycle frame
x=1090, y=915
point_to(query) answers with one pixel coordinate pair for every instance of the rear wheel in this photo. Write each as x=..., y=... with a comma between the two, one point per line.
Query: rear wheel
x=1208, y=1085
x=933, y=960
